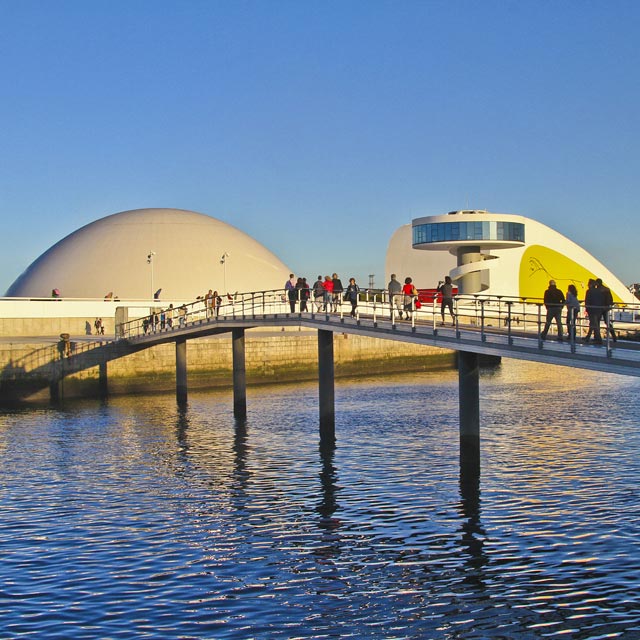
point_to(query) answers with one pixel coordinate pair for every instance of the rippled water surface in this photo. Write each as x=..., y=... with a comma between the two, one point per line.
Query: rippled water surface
x=132, y=519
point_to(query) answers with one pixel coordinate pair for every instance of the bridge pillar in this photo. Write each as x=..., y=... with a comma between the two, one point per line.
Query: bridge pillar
x=326, y=387
x=103, y=388
x=181, y=371
x=239, y=374
x=55, y=390
x=469, y=400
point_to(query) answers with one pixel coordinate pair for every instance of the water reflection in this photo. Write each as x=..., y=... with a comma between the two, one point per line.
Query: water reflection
x=135, y=517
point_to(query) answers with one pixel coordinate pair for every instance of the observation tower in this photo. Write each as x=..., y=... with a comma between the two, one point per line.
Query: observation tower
x=469, y=235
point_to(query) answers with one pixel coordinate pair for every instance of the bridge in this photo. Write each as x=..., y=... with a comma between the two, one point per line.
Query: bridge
x=503, y=327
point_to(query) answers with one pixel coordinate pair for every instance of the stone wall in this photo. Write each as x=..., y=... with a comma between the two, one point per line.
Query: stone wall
x=271, y=356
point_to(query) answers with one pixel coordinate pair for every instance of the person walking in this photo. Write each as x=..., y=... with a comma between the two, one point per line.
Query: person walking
x=410, y=294
x=291, y=292
x=336, y=295
x=395, y=295
x=446, y=291
x=607, y=304
x=573, y=309
x=352, y=295
x=318, y=293
x=554, y=302
x=593, y=304
x=328, y=292
x=303, y=293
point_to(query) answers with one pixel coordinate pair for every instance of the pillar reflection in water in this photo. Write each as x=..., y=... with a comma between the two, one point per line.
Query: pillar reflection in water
x=472, y=534
x=328, y=504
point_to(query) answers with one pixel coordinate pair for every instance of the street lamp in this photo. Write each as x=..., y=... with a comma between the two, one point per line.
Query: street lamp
x=150, y=262
x=223, y=262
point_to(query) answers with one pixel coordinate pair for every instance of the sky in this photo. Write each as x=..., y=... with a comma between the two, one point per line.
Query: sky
x=320, y=127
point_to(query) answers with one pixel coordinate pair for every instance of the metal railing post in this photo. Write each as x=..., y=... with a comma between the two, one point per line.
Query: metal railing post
x=540, y=341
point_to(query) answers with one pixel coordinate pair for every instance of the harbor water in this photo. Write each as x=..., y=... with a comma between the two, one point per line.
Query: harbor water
x=132, y=518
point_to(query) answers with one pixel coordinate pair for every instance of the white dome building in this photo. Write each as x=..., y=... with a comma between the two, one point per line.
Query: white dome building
x=133, y=254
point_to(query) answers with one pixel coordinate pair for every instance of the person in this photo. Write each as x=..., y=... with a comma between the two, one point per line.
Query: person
x=395, y=295
x=318, y=293
x=554, y=303
x=170, y=313
x=607, y=303
x=573, y=309
x=208, y=303
x=290, y=290
x=304, y=293
x=183, y=315
x=64, y=346
x=55, y=293
x=216, y=300
x=593, y=305
x=446, y=291
x=99, y=326
x=336, y=294
x=351, y=294
x=410, y=294
x=328, y=292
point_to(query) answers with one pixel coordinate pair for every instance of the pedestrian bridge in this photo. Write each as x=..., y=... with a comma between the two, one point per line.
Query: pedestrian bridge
x=504, y=327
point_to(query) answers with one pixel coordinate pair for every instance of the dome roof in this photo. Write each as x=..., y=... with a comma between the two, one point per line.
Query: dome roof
x=135, y=253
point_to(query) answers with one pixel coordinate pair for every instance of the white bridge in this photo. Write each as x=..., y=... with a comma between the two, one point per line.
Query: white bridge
x=504, y=327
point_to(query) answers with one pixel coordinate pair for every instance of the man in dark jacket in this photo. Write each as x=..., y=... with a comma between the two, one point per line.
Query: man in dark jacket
x=607, y=304
x=554, y=302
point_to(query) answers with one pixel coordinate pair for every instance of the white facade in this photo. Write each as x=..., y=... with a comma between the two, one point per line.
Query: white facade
x=500, y=254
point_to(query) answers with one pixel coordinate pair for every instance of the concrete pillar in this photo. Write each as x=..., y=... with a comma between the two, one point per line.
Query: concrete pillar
x=103, y=388
x=181, y=371
x=55, y=390
x=326, y=387
x=469, y=400
x=470, y=282
x=239, y=374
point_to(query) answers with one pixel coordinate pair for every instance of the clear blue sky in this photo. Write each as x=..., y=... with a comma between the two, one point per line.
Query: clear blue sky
x=320, y=127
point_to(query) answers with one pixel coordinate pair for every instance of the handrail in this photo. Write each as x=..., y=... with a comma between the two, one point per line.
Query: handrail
x=487, y=320
x=488, y=313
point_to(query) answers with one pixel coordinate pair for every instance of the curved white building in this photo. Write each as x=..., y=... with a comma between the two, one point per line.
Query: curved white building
x=504, y=254
x=133, y=254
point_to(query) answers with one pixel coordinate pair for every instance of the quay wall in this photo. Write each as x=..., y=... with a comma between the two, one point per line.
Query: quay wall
x=271, y=357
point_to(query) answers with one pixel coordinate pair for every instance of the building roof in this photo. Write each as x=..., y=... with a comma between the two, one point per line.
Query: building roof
x=132, y=254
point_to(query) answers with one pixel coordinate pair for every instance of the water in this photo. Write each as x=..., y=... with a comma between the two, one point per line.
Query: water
x=131, y=519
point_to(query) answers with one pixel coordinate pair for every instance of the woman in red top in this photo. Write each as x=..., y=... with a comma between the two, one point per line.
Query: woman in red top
x=410, y=293
x=328, y=290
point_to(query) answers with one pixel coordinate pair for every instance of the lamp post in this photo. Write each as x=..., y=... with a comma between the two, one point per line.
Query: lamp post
x=223, y=262
x=150, y=262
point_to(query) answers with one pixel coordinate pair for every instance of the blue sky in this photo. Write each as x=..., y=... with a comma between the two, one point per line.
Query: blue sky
x=320, y=127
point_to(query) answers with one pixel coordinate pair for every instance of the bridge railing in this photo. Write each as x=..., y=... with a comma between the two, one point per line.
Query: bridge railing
x=485, y=313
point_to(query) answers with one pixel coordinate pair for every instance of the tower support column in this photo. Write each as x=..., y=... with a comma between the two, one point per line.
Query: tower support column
x=470, y=282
